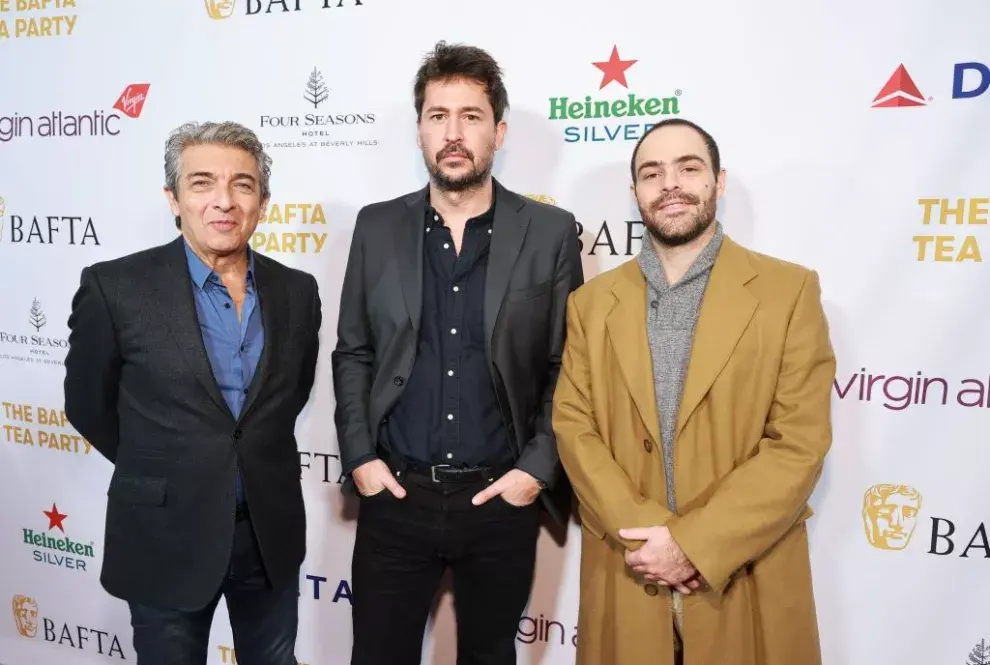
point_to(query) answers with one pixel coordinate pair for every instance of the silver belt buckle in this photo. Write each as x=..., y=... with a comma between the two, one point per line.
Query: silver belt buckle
x=433, y=471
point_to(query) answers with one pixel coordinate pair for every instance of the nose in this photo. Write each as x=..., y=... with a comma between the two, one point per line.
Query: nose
x=453, y=131
x=223, y=199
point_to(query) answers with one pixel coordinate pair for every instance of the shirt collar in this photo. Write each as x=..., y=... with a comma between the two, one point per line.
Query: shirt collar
x=201, y=273
x=484, y=219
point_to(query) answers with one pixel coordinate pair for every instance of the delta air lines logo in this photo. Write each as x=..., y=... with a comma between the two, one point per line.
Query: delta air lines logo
x=899, y=91
x=623, y=115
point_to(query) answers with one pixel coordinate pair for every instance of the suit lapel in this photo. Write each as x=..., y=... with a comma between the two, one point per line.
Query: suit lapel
x=409, y=253
x=726, y=311
x=271, y=301
x=626, y=325
x=176, y=297
x=508, y=231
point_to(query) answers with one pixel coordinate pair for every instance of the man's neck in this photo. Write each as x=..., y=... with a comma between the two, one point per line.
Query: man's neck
x=678, y=259
x=458, y=207
x=224, y=265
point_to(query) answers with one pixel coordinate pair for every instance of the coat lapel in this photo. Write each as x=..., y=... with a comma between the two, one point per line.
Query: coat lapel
x=626, y=325
x=409, y=255
x=726, y=311
x=271, y=301
x=508, y=231
x=177, y=303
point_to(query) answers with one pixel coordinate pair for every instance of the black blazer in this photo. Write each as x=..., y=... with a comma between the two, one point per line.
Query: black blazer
x=139, y=387
x=534, y=263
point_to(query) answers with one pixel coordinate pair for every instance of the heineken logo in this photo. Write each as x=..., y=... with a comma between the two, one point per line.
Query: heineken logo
x=631, y=106
x=57, y=550
x=626, y=116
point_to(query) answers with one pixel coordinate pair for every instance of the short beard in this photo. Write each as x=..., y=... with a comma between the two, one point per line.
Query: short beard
x=702, y=221
x=470, y=180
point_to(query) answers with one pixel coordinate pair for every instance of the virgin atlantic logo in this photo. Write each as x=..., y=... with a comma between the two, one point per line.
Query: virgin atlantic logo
x=131, y=101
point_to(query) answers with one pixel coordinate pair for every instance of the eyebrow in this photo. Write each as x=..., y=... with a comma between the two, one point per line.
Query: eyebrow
x=211, y=176
x=471, y=109
x=680, y=160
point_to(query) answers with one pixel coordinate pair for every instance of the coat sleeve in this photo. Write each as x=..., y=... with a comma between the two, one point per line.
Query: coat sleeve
x=92, y=368
x=602, y=487
x=352, y=360
x=539, y=458
x=758, y=502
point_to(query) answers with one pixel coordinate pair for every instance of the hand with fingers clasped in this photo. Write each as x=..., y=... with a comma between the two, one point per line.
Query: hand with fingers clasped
x=661, y=559
x=516, y=487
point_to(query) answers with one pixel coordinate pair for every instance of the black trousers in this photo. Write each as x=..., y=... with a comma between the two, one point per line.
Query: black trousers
x=404, y=546
x=263, y=619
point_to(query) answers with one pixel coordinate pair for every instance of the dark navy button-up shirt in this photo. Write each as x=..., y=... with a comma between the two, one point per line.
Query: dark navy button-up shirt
x=448, y=412
x=233, y=346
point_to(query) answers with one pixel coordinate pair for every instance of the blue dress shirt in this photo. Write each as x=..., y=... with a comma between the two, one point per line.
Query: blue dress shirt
x=233, y=346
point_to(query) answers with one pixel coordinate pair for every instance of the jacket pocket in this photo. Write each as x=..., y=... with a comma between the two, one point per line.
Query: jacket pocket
x=143, y=490
x=530, y=292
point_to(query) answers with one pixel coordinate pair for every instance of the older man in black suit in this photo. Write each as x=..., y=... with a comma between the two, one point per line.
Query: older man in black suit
x=187, y=368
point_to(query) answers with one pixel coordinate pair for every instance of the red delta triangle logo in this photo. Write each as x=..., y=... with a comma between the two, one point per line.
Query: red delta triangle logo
x=899, y=91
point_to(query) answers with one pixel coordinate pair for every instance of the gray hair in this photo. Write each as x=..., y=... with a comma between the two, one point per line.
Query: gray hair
x=218, y=133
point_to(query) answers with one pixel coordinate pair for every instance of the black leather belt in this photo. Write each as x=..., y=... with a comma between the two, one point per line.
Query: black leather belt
x=445, y=473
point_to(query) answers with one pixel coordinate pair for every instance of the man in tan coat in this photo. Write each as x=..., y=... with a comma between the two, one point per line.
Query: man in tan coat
x=692, y=416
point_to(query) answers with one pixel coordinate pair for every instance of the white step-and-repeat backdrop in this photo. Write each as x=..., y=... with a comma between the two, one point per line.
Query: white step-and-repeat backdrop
x=855, y=141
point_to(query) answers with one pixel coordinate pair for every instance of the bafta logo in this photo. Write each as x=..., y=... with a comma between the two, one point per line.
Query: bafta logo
x=220, y=9
x=25, y=615
x=890, y=514
x=543, y=198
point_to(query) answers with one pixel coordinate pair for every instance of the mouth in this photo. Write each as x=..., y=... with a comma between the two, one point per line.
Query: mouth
x=224, y=225
x=674, y=205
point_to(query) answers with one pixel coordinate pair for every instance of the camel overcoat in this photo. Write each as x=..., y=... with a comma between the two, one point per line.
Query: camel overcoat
x=752, y=433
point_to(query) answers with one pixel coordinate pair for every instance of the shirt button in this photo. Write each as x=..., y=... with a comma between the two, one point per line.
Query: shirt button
x=456, y=289
x=446, y=245
x=436, y=218
x=450, y=416
x=651, y=589
x=489, y=231
x=648, y=445
x=450, y=372
x=398, y=380
x=227, y=305
x=450, y=455
x=245, y=391
x=654, y=304
x=453, y=331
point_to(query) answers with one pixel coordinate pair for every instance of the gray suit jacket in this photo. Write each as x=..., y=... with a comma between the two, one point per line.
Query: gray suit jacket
x=534, y=264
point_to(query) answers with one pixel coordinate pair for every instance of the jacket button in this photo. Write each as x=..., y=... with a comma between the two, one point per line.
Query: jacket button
x=651, y=589
x=648, y=445
x=398, y=380
x=238, y=434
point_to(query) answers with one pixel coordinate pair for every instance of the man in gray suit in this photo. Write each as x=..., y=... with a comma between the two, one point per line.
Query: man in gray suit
x=450, y=335
x=188, y=365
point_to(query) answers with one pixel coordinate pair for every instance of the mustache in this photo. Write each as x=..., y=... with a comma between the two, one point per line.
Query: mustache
x=683, y=197
x=455, y=149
